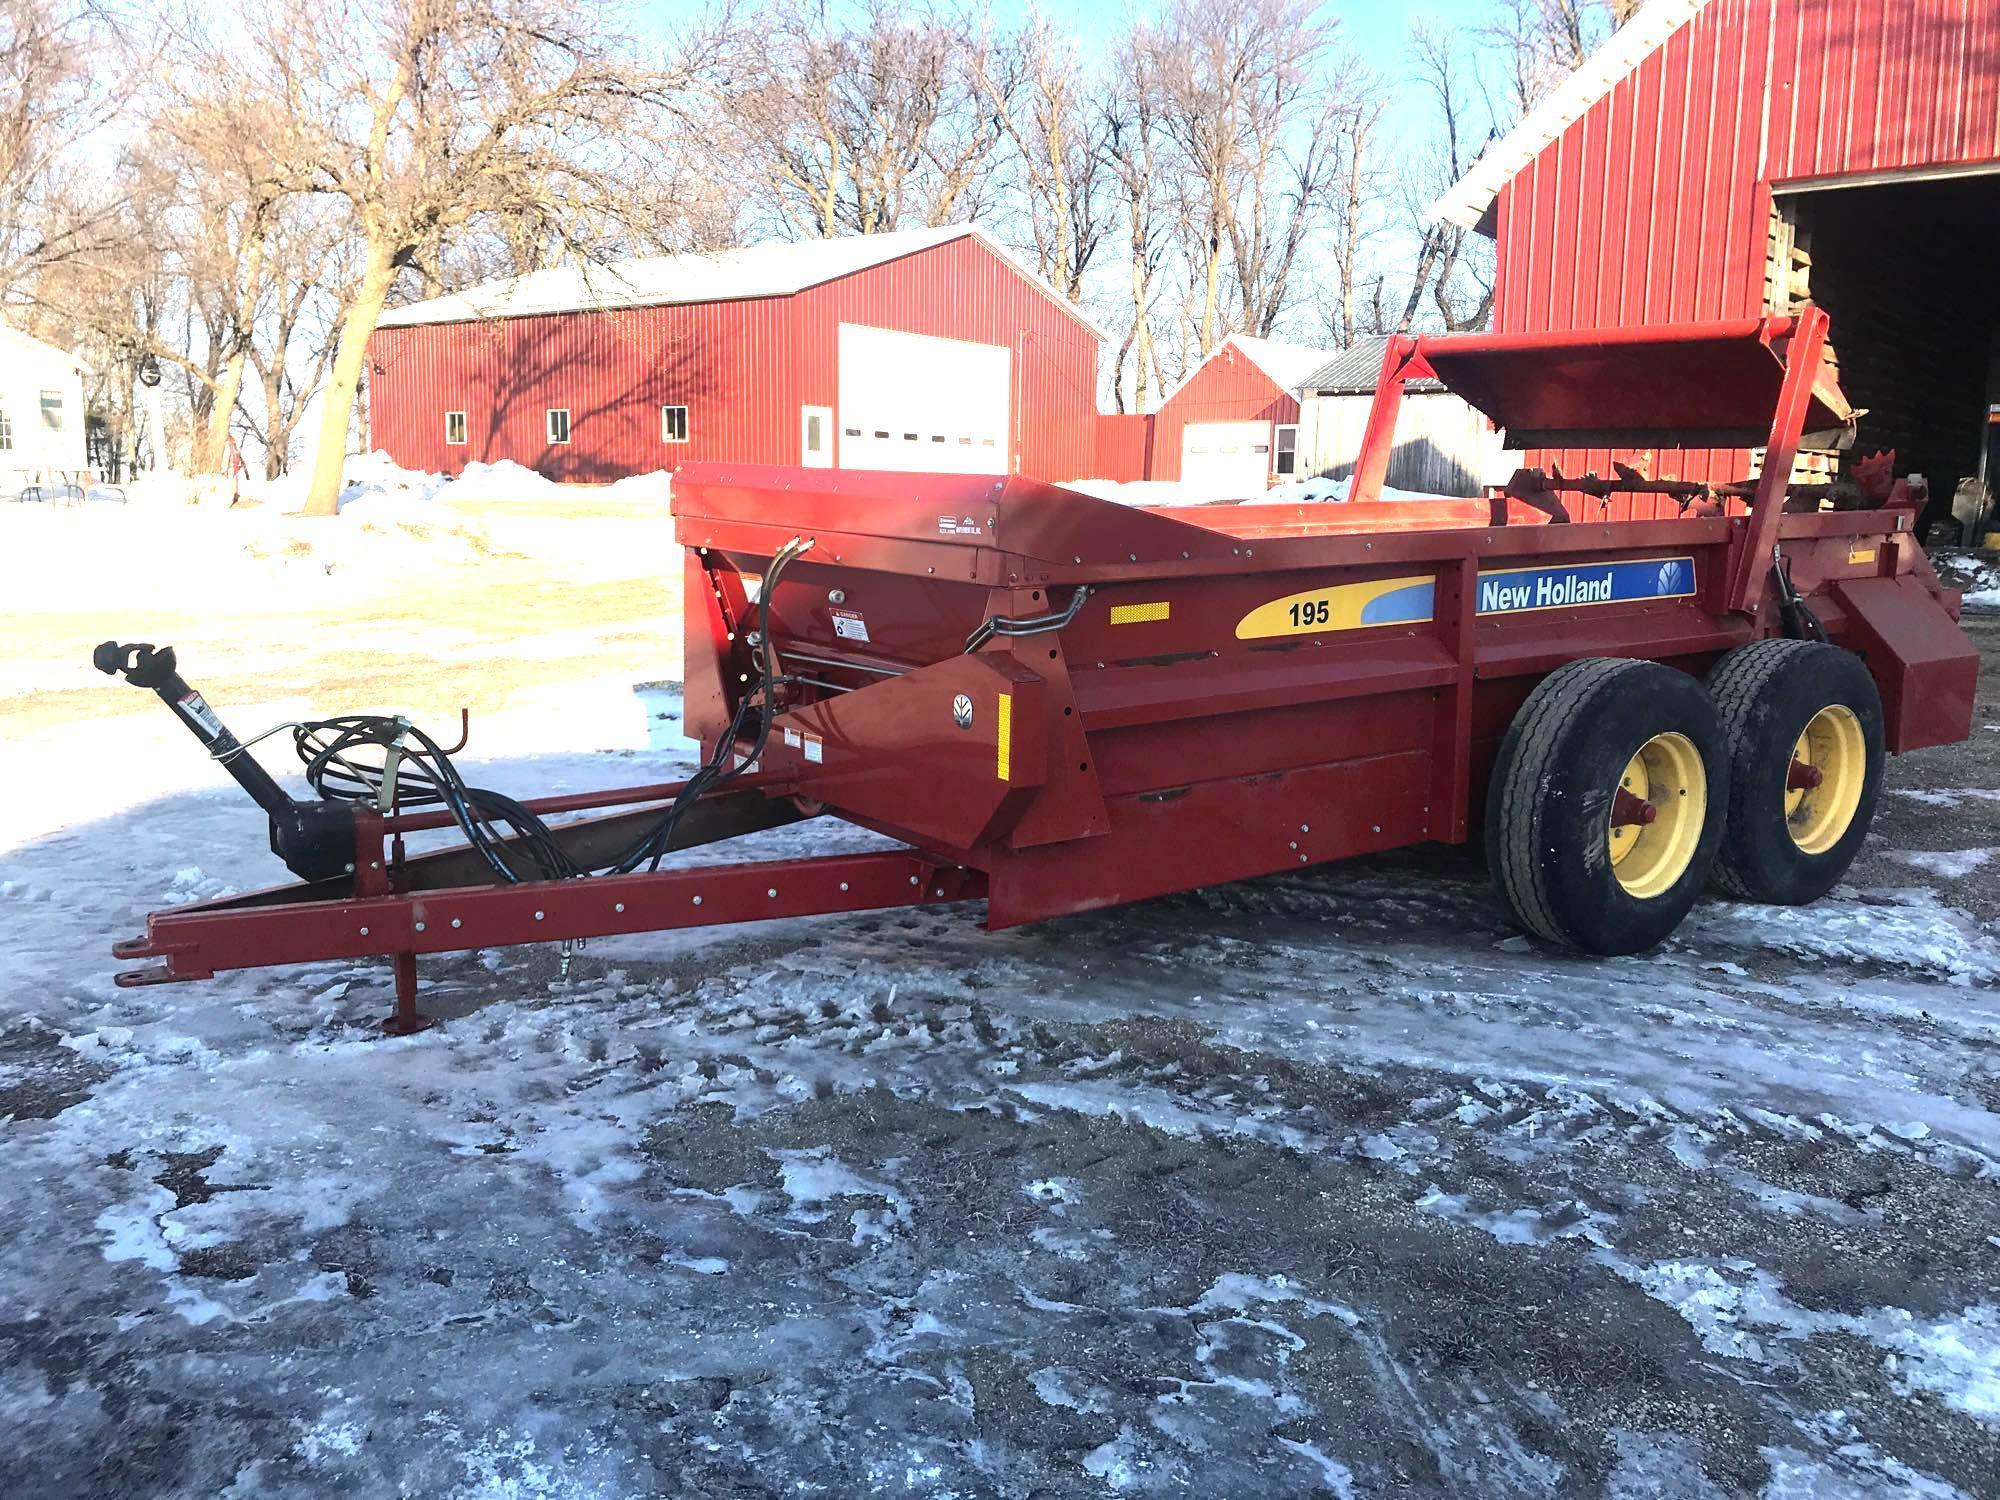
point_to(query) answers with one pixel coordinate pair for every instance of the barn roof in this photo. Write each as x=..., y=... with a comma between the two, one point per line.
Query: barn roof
x=1469, y=201
x=35, y=346
x=772, y=270
x=1356, y=371
x=1286, y=365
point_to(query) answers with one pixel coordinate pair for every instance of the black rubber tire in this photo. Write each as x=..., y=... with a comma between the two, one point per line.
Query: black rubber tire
x=1549, y=807
x=1765, y=693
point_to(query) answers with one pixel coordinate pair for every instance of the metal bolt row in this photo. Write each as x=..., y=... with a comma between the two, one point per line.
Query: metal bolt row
x=770, y=892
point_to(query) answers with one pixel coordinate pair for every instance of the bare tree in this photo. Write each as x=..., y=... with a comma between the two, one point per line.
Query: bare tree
x=1449, y=256
x=1132, y=139
x=225, y=168
x=860, y=128
x=309, y=283
x=1250, y=92
x=178, y=275
x=56, y=205
x=1043, y=98
x=1544, y=40
x=426, y=117
x=1357, y=190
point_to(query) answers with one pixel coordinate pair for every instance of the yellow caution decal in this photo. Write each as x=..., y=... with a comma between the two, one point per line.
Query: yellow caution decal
x=1866, y=554
x=1341, y=606
x=1004, y=717
x=1141, y=614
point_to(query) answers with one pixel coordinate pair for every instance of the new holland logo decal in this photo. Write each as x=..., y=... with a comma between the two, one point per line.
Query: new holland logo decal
x=1519, y=590
x=1507, y=591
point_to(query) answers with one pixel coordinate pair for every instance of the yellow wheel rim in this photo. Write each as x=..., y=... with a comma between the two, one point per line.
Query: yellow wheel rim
x=1667, y=776
x=1832, y=752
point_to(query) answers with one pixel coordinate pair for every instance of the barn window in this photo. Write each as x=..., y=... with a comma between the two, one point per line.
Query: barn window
x=816, y=436
x=454, y=427
x=559, y=424
x=6, y=429
x=673, y=424
x=52, y=410
x=1285, y=456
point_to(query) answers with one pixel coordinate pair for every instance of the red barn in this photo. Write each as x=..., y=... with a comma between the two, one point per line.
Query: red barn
x=1232, y=425
x=926, y=350
x=1728, y=158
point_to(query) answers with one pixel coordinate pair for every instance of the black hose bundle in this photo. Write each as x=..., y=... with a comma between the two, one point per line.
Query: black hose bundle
x=515, y=843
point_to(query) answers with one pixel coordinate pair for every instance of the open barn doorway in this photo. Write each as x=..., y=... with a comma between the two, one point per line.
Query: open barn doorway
x=1909, y=271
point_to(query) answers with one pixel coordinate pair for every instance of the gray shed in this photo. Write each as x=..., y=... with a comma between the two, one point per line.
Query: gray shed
x=1443, y=446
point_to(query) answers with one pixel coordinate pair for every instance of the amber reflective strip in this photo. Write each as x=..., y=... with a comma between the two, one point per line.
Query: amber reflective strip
x=1140, y=614
x=1004, y=717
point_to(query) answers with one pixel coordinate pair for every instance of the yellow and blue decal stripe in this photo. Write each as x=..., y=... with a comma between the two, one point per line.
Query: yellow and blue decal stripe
x=1504, y=591
x=1341, y=606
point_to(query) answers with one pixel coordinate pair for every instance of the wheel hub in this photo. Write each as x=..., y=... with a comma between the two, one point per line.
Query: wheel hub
x=1823, y=784
x=1657, y=813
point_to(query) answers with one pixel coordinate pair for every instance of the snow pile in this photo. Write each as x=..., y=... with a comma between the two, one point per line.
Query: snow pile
x=377, y=485
x=130, y=559
x=1320, y=491
x=172, y=547
x=1166, y=493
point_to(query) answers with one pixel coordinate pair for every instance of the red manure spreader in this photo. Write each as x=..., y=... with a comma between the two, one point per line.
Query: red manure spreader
x=1056, y=702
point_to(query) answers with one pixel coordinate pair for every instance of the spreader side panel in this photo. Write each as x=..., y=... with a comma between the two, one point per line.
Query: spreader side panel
x=1924, y=664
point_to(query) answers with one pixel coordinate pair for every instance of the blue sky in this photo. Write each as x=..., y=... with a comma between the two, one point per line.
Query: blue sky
x=1376, y=31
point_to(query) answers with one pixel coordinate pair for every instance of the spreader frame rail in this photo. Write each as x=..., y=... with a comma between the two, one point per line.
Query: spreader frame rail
x=197, y=942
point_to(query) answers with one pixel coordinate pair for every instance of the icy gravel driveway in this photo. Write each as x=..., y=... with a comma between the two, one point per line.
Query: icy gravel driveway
x=1323, y=1184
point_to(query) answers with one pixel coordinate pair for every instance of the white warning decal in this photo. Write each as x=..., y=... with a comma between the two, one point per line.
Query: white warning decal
x=849, y=625
x=196, y=708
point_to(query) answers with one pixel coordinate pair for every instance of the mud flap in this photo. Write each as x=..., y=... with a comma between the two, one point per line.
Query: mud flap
x=1923, y=664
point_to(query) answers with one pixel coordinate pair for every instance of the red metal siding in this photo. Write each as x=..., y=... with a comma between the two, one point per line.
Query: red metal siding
x=962, y=290
x=729, y=363
x=1654, y=205
x=1229, y=387
x=1124, y=446
x=743, y=369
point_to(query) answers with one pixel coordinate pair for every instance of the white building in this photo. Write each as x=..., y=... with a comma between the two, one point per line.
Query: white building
x=41, y=413
x=1442, y=447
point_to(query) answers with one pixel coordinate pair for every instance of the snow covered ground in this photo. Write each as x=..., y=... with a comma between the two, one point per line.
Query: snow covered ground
x=1171, y=492
x=1321, y=1184
x=1976, y=573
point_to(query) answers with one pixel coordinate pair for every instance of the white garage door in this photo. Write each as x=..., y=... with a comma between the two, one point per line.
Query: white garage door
x=1229, y=460
x=916, y=403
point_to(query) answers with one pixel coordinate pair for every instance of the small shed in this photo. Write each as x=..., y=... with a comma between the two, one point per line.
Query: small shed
x=1443, y=446
x=41, y=412
x=1232, y=424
